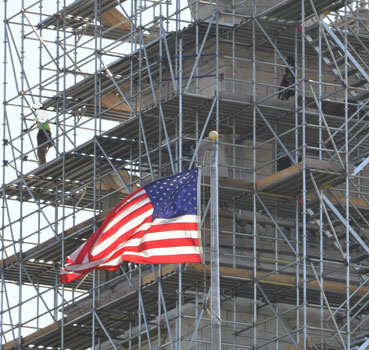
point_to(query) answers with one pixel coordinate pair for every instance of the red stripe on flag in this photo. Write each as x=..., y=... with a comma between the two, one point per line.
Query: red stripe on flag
x=69, y=277
x=186, y=226
x=169, y=259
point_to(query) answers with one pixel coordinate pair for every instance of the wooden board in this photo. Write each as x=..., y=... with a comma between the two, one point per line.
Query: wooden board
x=279, y=176
x=50, y=328
x=113, y=17
x=113, y=98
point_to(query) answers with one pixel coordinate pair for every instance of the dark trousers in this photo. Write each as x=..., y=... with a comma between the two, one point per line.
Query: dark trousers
x=43, y=145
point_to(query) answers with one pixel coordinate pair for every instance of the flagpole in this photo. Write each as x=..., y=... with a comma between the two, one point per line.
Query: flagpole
x=215, y=280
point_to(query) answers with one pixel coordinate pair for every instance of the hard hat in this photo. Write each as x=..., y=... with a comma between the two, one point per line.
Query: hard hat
x=42, y=116
x=37, y=105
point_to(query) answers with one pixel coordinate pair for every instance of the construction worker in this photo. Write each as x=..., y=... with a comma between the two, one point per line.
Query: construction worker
x=44, y=141
x=288, y=80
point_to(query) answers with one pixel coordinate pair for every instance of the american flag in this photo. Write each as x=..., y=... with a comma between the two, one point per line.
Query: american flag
x=156, y=224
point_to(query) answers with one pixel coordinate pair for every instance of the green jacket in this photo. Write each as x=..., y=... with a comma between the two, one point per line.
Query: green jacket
x=41, y=126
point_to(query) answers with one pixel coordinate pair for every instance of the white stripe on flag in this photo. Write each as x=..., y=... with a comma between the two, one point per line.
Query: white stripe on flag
x=158, y=236
x=178, y=220
x=74, y=255
x=167, y=251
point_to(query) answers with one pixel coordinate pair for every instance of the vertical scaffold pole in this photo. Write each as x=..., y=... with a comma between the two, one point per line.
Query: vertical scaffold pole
x=215, y=283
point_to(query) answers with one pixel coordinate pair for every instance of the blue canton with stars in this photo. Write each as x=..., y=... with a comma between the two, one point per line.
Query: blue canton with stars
x=175, y=195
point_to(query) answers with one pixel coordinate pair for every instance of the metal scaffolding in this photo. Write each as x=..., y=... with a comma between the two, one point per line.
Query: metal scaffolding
x=132, y=89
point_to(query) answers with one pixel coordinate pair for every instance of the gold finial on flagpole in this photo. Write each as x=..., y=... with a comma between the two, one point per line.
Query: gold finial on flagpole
x=213, y=135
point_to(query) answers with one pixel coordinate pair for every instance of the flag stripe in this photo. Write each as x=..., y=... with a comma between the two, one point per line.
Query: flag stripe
x=150, y=227
x=79, y=254
x=133, y=205
x=122, y=232
x=168, y=239
x=165, y=239
x=134, y=221
x=123, y=229
x=158, y=229
x=67, y=276
x=146, y=254
x=115, y=243
x=149, y=251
